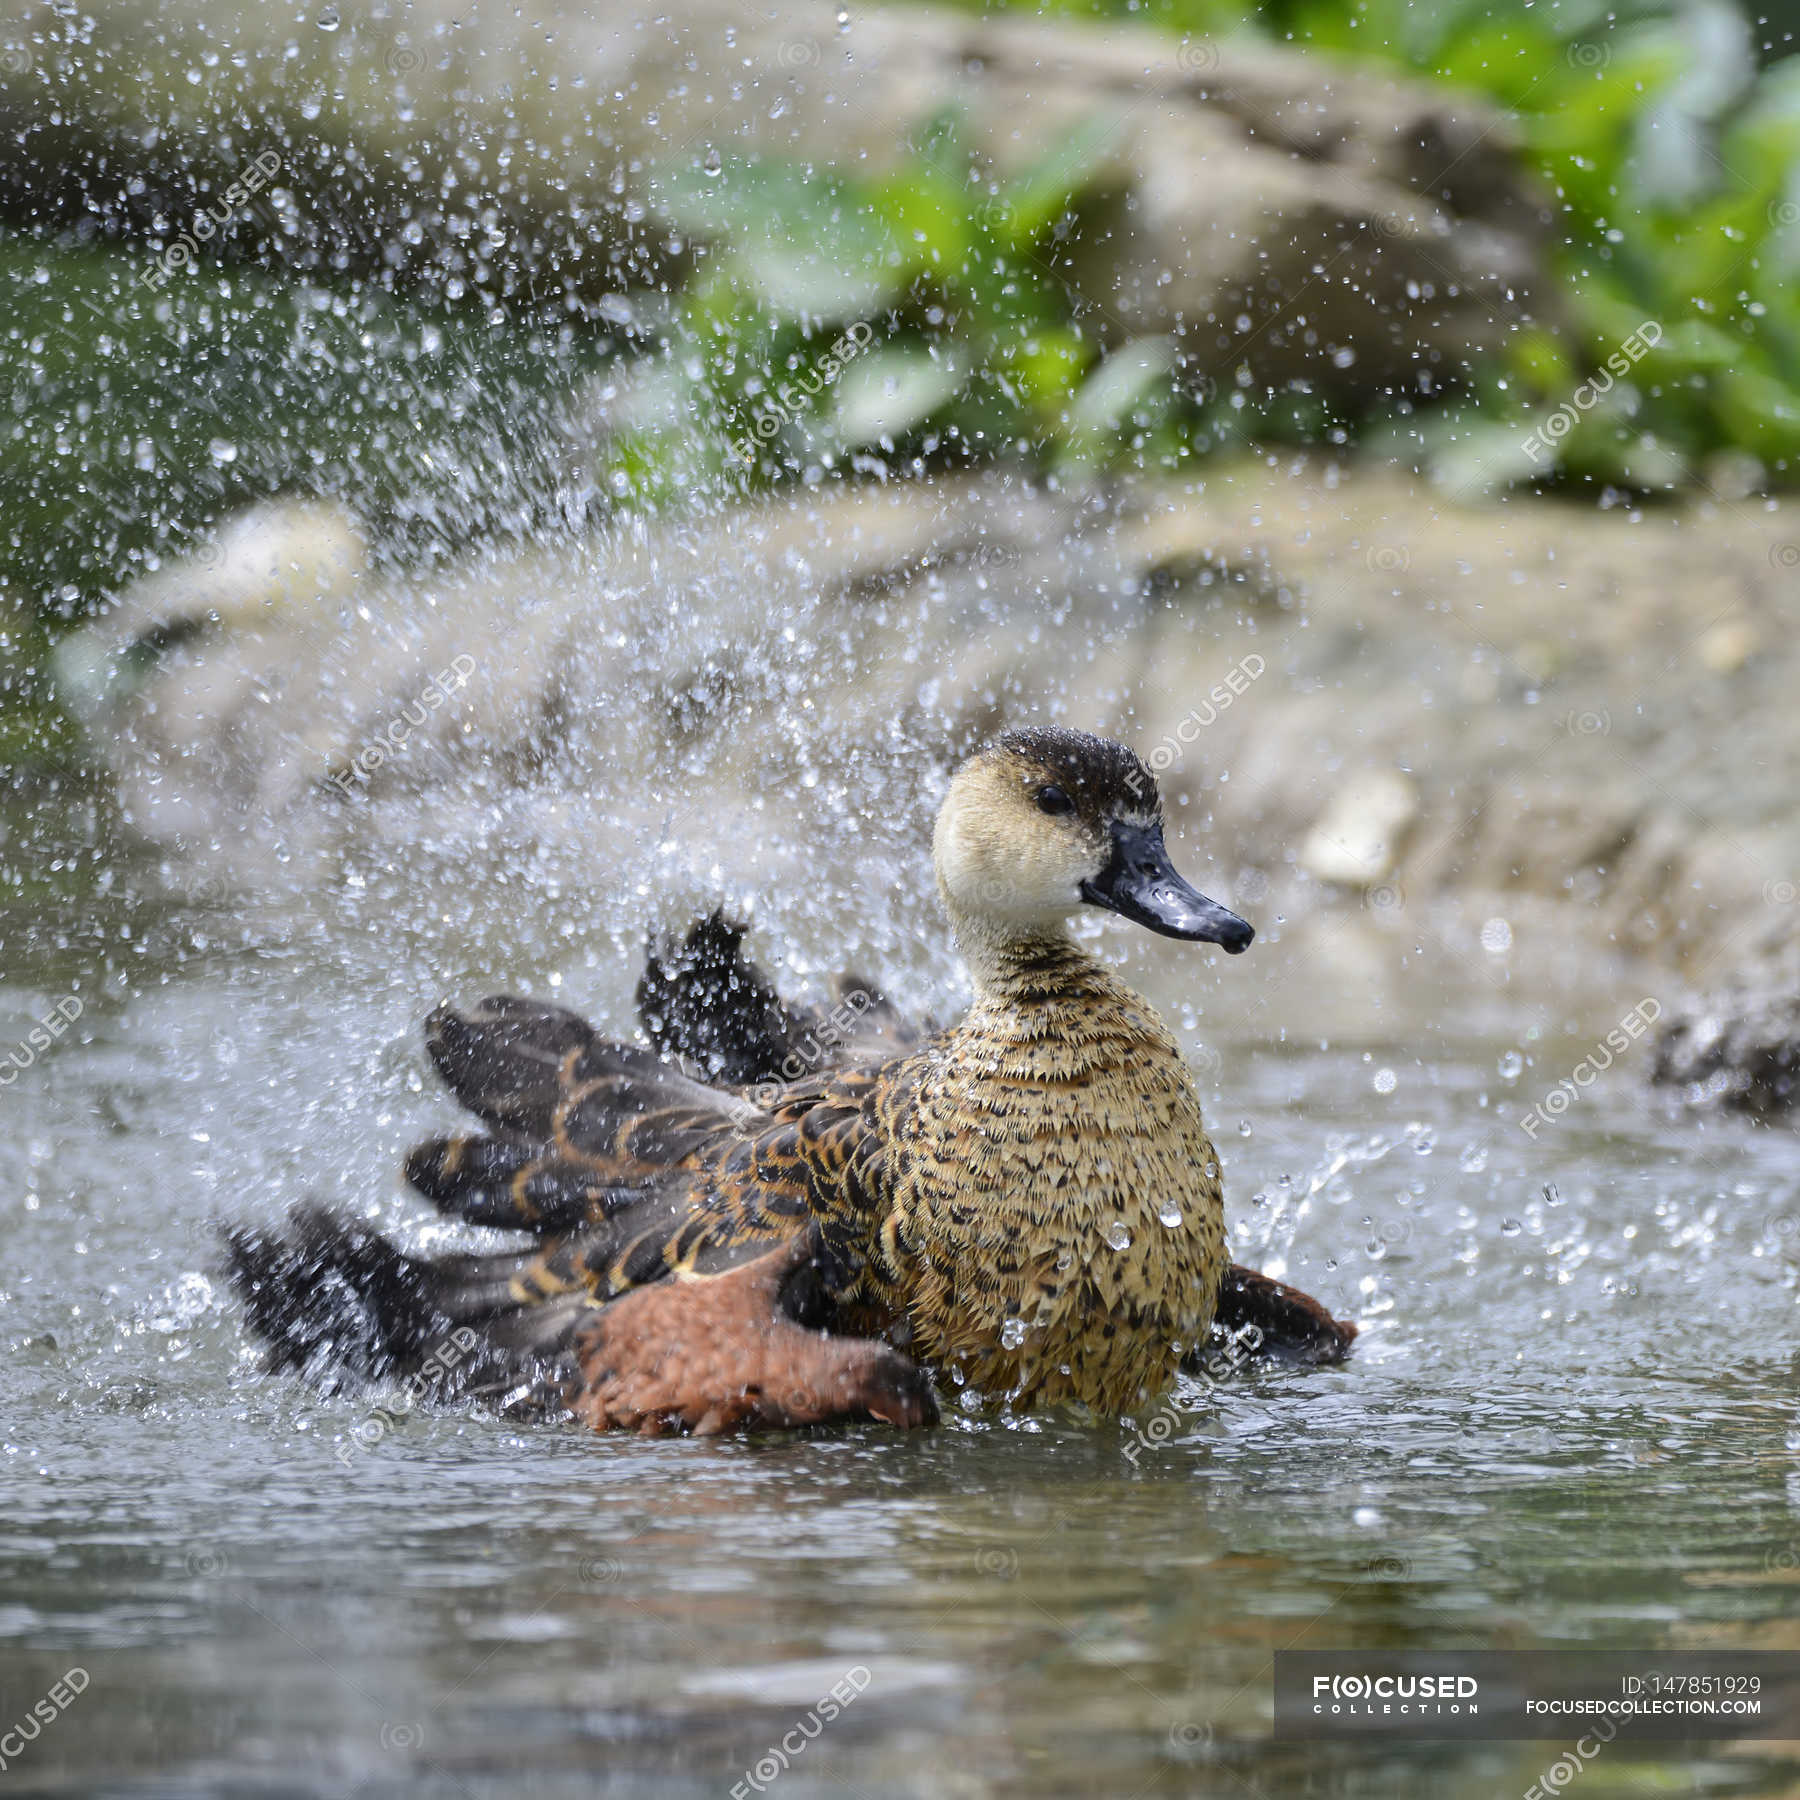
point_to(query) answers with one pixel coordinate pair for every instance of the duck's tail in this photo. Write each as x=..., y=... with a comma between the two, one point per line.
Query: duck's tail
x=1261, y=1317
x=329, y=1296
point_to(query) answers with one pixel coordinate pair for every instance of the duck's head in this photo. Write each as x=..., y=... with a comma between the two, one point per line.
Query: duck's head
x=1046, y=820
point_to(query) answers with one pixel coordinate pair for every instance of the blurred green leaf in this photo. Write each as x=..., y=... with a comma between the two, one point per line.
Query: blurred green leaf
x=1760, y=413
x=886, y=393
x=1032, y=202
x=1123, y=381
x=807, y=242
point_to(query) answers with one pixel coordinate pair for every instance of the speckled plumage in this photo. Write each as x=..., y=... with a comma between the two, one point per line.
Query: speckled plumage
x=1055, y=1203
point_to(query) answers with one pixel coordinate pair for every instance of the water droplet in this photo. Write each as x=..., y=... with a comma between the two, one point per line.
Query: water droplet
x=1511, y=1066
x=1012, y=1334
x=328, y=18
x=222, y=451
x=1385, y=1081
x=1244, y=1127
x=183, y=1303
x=713, y=163
x=1064, y=1259
x=1118, y=1234
x=1169, y=1213
x=1510, y=1227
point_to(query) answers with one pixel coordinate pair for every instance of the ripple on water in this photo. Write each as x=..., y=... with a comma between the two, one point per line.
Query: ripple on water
x=1572, y=1415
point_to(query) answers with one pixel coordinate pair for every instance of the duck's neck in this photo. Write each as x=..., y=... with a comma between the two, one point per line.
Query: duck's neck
x=1023, y=966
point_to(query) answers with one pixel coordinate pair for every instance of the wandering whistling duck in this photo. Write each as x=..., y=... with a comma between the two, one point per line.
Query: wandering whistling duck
x=775, y=1216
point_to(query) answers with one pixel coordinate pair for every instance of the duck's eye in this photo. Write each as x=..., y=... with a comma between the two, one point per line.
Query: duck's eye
x=1053, y=800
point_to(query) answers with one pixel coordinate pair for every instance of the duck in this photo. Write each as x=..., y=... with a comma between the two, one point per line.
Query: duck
x=771, y=1215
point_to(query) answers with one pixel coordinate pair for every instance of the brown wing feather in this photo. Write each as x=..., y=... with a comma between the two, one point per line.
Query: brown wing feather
x=703, y=1001
x=740, y=1183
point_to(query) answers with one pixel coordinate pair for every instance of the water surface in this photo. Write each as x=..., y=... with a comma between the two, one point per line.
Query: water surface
x=1572, y=1417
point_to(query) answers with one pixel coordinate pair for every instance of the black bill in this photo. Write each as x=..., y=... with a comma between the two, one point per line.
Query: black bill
x=1140, y=884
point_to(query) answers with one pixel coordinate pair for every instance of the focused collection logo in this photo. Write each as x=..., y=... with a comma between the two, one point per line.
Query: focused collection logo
x=1396, y=1696
x=1538, y=1693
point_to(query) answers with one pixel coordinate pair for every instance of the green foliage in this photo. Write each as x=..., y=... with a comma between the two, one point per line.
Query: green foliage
x=139, y=415
x=134, y=417
x=842, y=322
x=1674, y=162
x=975, y=344
x=1676, y=165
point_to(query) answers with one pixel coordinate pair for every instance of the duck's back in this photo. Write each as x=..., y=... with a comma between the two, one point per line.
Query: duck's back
x=1057, y=1201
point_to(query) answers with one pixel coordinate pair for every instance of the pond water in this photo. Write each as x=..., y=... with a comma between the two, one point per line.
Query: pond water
x=1572, y=1417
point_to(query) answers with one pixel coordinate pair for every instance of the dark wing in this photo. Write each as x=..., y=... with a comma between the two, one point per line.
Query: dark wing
x=584, y=1129
x=703, y=1001
x=634, y=1180
x=627, y=1170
